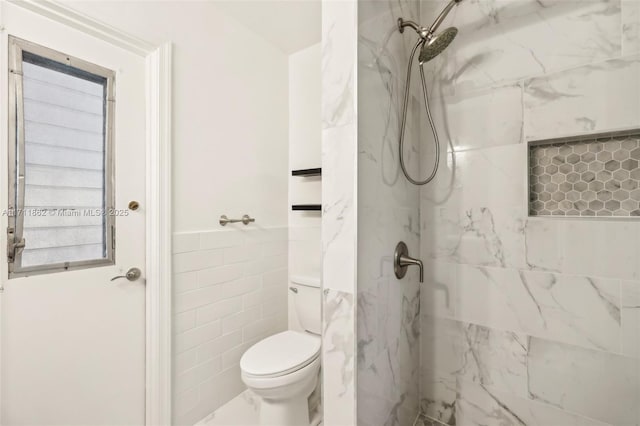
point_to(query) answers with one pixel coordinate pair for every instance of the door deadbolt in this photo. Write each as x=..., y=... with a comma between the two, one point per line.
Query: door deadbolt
x=134, y=205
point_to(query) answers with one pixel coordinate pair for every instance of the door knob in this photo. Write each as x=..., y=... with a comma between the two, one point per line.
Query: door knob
x=132, y=275
x=401, y=261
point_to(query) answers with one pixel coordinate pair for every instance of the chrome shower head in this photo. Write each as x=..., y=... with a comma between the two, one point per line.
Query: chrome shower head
x=432, y=44
x=436, y=44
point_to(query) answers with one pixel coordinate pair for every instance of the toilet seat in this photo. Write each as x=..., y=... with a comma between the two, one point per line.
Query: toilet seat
x=280, y=354
x=299, y=381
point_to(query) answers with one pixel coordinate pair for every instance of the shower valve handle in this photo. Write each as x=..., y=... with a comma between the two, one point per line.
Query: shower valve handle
x=402, y=260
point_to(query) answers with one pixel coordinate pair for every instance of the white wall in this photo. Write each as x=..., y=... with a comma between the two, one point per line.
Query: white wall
x=305, y=251
x=229, y=109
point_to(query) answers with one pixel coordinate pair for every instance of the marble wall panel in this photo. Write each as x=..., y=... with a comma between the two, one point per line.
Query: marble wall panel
x=581, y=310
x=520, y=71
x=508, y=40
x=477, y=405
x=481, y=118
x=388, y=212
x=598, y=248
x=339, y=201
x=483, y=376
x=339, y=207
x=597, y=97
x=493, y=358
x=630, y=317
x=438, y=292
x=338, y=358
x=630, y=27
x=600, y=385
x=474, y=211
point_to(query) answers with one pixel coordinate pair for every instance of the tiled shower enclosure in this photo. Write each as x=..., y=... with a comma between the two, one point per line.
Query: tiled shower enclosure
x=529, y=313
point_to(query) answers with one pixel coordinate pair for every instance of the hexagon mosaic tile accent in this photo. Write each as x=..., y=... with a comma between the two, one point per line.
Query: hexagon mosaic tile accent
x=597, y=177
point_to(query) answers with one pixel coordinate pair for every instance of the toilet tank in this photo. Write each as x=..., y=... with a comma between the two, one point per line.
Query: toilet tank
x=307, y=302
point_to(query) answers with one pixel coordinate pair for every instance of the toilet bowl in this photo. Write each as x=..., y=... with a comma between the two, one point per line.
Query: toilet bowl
x=283, y=371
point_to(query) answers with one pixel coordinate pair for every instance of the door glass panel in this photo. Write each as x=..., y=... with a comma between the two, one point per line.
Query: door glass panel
x=62, y=204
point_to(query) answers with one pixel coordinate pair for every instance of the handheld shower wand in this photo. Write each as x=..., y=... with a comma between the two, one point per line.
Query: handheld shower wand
x=431, y=45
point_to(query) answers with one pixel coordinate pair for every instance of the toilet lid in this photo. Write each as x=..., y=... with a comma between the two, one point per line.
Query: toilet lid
x=280, y=354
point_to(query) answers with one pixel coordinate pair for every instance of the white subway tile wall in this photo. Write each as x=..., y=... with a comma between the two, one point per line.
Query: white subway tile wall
x=229, y=291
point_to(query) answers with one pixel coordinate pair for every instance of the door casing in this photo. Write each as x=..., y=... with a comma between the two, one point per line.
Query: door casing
x=158, y=190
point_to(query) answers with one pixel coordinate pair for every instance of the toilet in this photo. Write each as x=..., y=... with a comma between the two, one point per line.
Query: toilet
x=282, y=370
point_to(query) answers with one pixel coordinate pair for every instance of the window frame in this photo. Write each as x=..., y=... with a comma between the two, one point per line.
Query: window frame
x=16, y=147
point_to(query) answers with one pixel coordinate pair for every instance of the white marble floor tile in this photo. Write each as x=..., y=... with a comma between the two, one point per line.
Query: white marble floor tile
x=240, y=411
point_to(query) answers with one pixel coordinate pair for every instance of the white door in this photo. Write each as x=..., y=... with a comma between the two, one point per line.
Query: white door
x=73, y=341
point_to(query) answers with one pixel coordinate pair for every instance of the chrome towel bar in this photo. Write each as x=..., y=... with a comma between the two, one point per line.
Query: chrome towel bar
x=246, y=219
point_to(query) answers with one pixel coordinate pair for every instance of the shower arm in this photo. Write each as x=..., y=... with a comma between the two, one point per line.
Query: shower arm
x=422, y=32
x=442, y=15
x=425, y=33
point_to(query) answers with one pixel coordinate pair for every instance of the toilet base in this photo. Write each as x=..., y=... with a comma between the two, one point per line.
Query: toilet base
x=290, y=412
x=284, y=399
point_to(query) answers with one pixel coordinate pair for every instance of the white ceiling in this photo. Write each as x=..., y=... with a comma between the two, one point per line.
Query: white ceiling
x=291, y=25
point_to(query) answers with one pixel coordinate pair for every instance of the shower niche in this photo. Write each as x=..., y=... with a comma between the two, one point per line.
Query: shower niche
x=595, y=175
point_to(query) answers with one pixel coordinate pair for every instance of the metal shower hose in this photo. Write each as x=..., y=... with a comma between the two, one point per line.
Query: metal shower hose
x=404, y=121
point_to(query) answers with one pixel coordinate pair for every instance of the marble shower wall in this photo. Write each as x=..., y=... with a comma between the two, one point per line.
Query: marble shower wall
x=339, y=202
x=527, y=321
x=388, y=212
